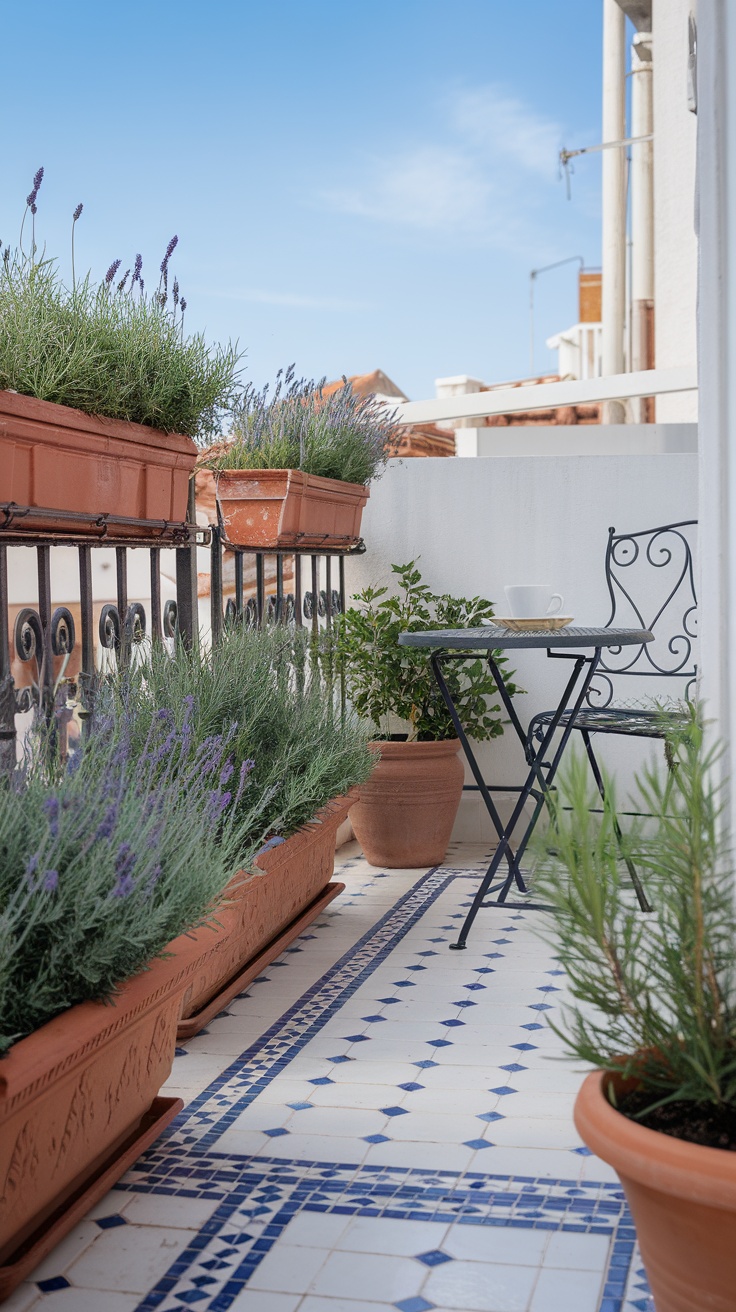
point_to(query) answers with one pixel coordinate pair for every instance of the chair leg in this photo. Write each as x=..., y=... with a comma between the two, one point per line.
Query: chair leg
x=633, y=873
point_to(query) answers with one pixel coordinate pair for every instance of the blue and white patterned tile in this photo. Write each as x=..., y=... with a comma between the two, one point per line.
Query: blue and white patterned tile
x=373, y=1106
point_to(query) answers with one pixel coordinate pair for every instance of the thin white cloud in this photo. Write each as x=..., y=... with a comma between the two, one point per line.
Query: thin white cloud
x=290, y=300
x=489, y=176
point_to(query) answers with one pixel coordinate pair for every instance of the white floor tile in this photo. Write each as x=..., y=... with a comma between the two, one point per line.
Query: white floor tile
x=71, y=1247
x=504, y=1244
x=315, y=1230
x=23, y=1298
x=258, y=1300
x=575, y=1252
x=483, y=1287
x=288, y=1270
x=84, y=1300
x=315, y=1303
x=373, y=1234
x=129, y=1259
x=179, y=1213
x=575, y=1291
x=379, y=1279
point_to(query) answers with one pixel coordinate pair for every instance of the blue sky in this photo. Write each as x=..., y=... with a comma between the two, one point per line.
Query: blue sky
x=354, y=185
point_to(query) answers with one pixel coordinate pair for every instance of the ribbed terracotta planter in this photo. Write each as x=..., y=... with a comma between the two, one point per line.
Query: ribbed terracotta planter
x=682, y=1198
x=405, y=813
x=259, y=913
x=57, y=458
x=271, y=508
x=78, y=1104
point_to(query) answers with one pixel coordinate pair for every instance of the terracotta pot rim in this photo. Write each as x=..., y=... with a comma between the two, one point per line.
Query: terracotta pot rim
x=67, y=416
x=655, y=1160
x=292, y=476
x=397, y=750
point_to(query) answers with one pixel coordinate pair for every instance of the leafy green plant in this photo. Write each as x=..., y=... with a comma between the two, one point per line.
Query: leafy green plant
x=109, y=348
x=655, y=995
x=300, y=426
x=393, y=687
x=105, y=861
x=262, y=687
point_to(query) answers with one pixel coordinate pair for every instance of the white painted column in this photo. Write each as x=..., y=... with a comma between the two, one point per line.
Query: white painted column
x=613, y=237
x=642, y=212
x=716, y=202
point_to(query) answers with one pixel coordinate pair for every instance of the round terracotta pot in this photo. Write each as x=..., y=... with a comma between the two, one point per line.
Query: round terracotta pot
x=404, y=816
x=682, y=1198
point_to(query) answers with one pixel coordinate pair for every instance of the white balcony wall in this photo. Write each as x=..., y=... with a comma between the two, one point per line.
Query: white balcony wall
x=478, y=525
x=578, y=440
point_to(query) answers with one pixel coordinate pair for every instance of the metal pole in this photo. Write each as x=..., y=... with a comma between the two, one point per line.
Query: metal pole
x=642, y=215
x=613, y=236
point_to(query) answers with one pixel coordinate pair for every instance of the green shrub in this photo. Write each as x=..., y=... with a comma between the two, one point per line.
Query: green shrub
x=393, y=688
x=109, y=348
x=654, y=995
x=104, y=862
x=261, y=686
x=339, y=435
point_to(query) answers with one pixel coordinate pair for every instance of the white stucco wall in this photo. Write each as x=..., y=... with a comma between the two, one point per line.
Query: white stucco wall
x=577, y=440
x=478, y=525
x=675, y=243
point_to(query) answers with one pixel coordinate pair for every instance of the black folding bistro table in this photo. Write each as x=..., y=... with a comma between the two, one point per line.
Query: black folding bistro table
x=562, y=644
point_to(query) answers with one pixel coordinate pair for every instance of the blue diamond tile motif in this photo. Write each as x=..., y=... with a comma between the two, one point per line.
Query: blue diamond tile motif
x=492, y=955
x=337, y=1060
x=192, y=1296
x=499, y=941
x=486, y=970
x=393, y=1111
x=424, y=1065
x=503, y=1089
x=356, y=1038
x=513, y=1066
x=478, y=1143
x=299, y=1106
x=323, y=1079
x=473, y=986
x=533, y=1025
x=56, y=1282
x=435, y=940
x=373, y=1020
x=548, y=988
x=417, y=1304
x=388, y=1001
x=181, y=1052
x=583, y=1152
x=276, y=1132
x=411, y=1087
x=439, y=1043
x=404, y=984
x=435, y=1257
x=490, y=1116
x=465, y=1002
x=376, y=1138
x=109, y=1222
x=452, y=1023
x=540, y=1006
x=525, y=1047
x=428, y=953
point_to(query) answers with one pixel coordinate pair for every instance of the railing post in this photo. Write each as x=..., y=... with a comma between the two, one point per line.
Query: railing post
x=7, y=683
x=216, y=585
x=186, y=582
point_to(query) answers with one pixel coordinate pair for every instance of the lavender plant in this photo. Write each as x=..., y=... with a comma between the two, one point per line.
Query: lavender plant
x=104, y=862
x=107, y=347
x=300, y=426
x=262, y=687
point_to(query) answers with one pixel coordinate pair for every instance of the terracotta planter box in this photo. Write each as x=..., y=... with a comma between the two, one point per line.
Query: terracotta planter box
x=78, y=1104
x=267, y=509
x=57, y=458
x=404, y=816
x=682, y=1198
x=265, y=913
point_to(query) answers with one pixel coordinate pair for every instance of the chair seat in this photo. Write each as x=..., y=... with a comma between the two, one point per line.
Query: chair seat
x=639, y=722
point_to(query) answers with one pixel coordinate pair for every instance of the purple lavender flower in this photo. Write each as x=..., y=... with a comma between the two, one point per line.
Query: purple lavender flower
x=51, y=811
x=123, y=280
x=183, y=305
x=153, y=879
x=34, y=208
x=77, y=212
x=175, y=291
x=245, y=770
x=31, y=867
x=137, y=268
x=226, y=773
x=50, y=880
x=124, y=863
x=169, y=252
x=112, y=271
x=276, y=841
x=33, y=193
x=218, y=804
x=106, y=827
x=38, y=179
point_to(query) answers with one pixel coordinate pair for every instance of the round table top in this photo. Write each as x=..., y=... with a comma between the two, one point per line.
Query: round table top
x=492, y=637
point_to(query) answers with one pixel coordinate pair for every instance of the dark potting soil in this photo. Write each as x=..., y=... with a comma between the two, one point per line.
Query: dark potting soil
x=701, y=1123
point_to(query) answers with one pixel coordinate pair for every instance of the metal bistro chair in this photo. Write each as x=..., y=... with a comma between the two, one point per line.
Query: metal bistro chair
x=631, y=559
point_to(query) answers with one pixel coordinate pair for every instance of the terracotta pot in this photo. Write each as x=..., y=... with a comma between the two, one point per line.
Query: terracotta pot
x=57, y=458
x=268, y=508
x=75, y=1098
x=682, y=1198
x=405, y=813
x=260, y=909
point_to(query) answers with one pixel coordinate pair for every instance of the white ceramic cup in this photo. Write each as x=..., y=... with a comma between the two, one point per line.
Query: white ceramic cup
x=532, y=601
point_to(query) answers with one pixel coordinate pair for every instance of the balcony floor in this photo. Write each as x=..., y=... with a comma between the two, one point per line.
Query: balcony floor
x=325, y=1163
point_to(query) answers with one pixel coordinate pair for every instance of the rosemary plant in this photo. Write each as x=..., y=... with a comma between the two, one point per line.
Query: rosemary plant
x=299, y=426
x=104, y=862
x=655, y=995
x=393, y=687
x=108, y=348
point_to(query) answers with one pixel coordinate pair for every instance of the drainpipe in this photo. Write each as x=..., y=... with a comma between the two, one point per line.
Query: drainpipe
x=613, y=238
x=642, y=217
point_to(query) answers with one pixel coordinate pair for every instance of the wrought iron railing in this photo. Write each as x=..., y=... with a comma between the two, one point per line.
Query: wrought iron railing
x=58, y=655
